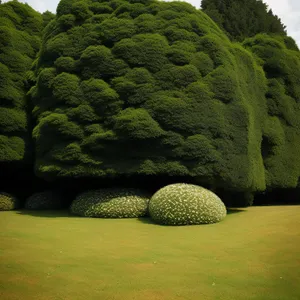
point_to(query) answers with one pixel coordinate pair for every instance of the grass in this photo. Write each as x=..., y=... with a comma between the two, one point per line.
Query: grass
x=252, y=254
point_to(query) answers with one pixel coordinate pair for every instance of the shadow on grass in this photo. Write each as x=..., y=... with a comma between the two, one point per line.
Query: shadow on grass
x=277, y=204
x=64, y=213
x=148, y=220
x=47, y=213
x=235, y=210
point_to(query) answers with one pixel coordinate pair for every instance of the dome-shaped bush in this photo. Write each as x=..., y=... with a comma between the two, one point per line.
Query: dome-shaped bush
x=45, y=200
x=8, y=202
x=111, y=203
x=186, y=204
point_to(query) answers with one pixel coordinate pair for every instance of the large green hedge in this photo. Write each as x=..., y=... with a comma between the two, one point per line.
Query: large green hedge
x=134, y=88
x=147, y=88
x=280, y=147
x=20, y=38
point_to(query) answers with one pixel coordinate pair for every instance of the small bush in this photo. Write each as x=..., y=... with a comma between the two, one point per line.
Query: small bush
x=45, y=200
x=8, y=202
x=111, y=203
x=186, y=204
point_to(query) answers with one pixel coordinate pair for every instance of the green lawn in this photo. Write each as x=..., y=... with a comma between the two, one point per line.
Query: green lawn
x=253, y=254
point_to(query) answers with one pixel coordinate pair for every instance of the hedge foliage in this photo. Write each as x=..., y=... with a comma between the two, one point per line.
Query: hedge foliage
x=186, y=204
x=8, y=202
x=20, y=39
x=244, y=18
x=111, y=203
x=150, y=88
x=281, y=130
x=45, y=200
x=143, y=87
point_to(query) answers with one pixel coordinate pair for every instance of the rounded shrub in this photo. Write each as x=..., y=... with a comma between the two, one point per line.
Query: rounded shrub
x=111, y=203
x=8, y=202
x=45, y=200
x=186, y=204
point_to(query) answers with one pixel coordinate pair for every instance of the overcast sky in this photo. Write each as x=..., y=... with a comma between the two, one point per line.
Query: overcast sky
x=287, y=10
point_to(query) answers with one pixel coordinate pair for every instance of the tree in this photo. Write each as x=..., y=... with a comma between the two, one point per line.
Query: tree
x=243, y=18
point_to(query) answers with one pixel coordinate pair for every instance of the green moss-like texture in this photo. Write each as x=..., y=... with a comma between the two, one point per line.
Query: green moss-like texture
x=280, y=147
x=20, y=39
x=186, y=204
x=147, y=88
x=8, y=202
x=44, y=201
x=111, y=203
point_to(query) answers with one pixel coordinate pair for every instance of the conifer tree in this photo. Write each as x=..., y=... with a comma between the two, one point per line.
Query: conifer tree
x=243, y=18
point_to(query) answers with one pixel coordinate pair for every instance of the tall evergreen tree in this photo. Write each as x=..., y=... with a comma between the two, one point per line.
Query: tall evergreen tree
x=243, y=18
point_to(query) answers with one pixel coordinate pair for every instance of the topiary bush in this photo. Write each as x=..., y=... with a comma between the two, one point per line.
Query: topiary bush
x=148, y=88
x=111, y=203
x=45, y=200
x=186, y=204
x=8, y=202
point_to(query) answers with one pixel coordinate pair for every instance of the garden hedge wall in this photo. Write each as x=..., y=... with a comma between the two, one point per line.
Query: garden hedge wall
x=149, y=88
x=129, y=89
x=20, y=39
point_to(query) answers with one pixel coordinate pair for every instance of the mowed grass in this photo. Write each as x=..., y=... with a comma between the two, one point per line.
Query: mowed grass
x=253, y=254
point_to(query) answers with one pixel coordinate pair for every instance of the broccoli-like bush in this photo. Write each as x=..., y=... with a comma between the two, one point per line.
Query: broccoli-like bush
x=45, y=200
x=186, y=204
x=146, y=88
x=111, y=203
x=8, y=202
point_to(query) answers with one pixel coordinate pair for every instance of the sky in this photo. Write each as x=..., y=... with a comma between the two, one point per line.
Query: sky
x=287, y=10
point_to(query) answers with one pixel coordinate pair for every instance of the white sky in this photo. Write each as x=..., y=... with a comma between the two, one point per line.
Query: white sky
x=287, y=10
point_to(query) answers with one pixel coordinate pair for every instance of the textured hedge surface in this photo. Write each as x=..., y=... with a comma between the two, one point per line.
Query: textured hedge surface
x=280, y=147
x=20, y=39
x=45, y=200
x=146, y=87
x=8, y=202
x=111, y=203
x=186, y=204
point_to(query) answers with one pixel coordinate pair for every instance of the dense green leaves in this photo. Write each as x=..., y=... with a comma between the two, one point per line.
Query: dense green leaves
x=137, y=124
x=134, y=88
x=281, y=142
x=20, y=30
x=148, y=88
x=243, y=18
